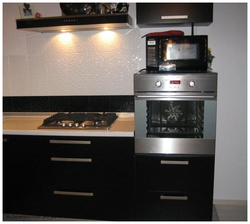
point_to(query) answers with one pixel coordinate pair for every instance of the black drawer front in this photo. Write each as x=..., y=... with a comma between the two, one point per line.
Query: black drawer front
x=26, y=144
x=178, y=206
x=99, y=145
x=99, y=171
x=193, y=174
x=94, y=204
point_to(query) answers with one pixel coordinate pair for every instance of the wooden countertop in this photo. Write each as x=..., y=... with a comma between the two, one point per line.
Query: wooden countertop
x=28, y=123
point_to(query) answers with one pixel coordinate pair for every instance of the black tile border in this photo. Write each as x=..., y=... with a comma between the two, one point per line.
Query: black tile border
x=119, y=103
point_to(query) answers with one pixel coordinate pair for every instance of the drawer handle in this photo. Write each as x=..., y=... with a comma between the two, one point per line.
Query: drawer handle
x=71, y=142
x=175, y=17
x=170, y=162
x=5, y=140
x=84, y=194
x=178, y=198
x=80, y=160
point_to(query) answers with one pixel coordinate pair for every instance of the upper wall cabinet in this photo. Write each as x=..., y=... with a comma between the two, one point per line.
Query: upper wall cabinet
x=165, y=14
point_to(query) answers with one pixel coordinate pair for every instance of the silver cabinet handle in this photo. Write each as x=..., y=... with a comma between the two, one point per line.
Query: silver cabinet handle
x=175, y=17
x=84, y=194
x=178, y=198
x=81, y=160
x=70, y=142
x=5, y=140
x=170, y=162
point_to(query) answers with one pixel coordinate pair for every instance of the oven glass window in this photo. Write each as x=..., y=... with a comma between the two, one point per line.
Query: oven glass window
x=175, y=119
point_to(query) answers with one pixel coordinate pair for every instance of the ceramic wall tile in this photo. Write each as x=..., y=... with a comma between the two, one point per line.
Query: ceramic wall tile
x=57, y=65
x=38, y=85
x=78, y=63
x=6, y=77
x=36, y=43
x=58, y=85
x=69, y=104
x=18, y=65
x=37, y=65
x=20, y=85
x=81, y=84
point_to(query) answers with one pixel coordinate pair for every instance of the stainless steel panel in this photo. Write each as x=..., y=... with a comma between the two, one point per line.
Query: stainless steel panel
x=160, y=82
x=174, y=146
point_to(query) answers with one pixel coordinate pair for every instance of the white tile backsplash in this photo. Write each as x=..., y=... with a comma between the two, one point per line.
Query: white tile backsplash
x=78, y=63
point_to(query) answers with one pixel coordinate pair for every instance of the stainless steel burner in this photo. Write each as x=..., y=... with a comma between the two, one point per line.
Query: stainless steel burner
x=79, y=121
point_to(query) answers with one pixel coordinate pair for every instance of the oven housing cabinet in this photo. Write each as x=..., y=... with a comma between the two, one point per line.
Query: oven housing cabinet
x=172, y=101
x=175, y=134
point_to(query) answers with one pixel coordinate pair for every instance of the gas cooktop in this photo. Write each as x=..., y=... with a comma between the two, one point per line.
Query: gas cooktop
x=79, y=121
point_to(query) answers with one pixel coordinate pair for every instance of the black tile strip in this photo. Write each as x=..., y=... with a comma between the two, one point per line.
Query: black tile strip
x=21, y=104
x=69, y=104
x=79, y=103
x=59, y=104
x=99, y=103
x=40, y=104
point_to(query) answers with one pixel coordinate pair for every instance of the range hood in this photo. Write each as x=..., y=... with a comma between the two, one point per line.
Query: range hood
x=75, y=23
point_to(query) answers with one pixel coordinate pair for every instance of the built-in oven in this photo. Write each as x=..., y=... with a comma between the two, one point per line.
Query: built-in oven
x=175, y=113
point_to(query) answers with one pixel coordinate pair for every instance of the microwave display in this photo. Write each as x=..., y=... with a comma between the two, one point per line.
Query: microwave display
x=176, y=53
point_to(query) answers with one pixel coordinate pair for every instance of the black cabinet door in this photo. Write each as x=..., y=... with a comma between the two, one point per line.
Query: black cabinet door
x=25, y=176
x=173, y=206
x=162, y=14
x=190, y=174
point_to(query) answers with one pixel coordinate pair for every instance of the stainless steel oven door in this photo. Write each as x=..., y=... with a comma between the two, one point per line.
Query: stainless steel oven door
x=175, y=123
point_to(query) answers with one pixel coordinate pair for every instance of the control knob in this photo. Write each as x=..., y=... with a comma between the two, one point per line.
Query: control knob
x=158, y=84
x=192, y=84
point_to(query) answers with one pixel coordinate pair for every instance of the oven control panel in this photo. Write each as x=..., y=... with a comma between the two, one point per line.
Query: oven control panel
x=177, y=84
x=146, y=82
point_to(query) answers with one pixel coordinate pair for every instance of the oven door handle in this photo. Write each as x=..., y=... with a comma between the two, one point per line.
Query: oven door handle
x=177, y=96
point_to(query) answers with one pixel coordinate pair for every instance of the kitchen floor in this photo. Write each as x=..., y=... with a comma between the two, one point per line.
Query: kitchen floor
x=226, y=212
x=221, y=212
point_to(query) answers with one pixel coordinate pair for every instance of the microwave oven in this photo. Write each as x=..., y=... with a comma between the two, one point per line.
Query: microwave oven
x=177, y=53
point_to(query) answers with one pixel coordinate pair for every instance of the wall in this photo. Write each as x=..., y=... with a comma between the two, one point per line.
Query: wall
x=228, y=39
x=79, y=63
x=39, y=65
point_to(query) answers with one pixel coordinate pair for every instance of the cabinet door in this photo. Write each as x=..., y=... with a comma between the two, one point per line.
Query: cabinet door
x=25, y=176
x=191, y=174
x=177, y=206
x=162, y=14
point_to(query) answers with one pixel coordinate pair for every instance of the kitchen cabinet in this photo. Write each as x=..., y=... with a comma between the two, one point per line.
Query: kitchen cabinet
x=165, y=14
x=73, y=177
x=176, y=188
x=26, y=175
